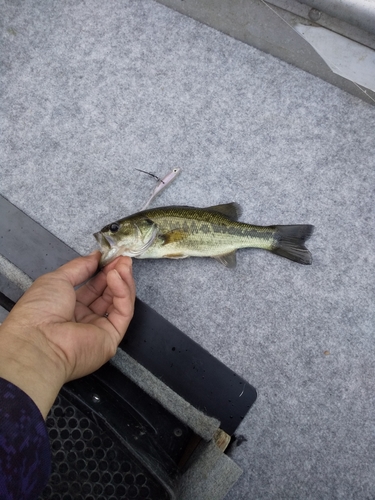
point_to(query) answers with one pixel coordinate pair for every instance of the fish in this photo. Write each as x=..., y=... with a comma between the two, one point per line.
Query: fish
x=161, y=185
x=177, y=232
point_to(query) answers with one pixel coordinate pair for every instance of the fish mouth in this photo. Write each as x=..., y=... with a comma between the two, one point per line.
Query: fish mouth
x=105, y=240
x=107, y=250
x=101, y=240
x=109, y=255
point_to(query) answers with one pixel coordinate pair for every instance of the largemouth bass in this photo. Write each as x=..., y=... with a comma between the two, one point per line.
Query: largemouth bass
x=177, y=232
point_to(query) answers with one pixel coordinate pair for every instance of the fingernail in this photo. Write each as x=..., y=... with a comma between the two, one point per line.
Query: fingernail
x=92, y=253
x=130, y=265
x=118, y=274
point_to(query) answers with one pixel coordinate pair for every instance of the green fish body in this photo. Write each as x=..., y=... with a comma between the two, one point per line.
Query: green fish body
x=177, y=232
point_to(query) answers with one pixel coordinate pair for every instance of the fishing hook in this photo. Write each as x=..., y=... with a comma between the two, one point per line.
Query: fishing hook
x=152, y=175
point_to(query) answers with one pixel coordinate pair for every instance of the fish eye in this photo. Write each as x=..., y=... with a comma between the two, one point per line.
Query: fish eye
x=114, y=227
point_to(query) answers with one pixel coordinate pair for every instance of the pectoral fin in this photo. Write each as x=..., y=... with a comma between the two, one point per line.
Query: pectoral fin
x=228, y=259
x=173, y=236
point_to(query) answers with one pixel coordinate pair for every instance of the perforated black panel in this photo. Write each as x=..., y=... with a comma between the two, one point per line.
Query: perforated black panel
x=92, y=464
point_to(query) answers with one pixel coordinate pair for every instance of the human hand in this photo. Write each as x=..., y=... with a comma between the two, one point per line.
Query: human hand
x=56, y=333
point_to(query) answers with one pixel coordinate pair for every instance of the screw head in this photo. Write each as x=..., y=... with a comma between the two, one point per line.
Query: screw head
x=95, y=398
x=315, y=14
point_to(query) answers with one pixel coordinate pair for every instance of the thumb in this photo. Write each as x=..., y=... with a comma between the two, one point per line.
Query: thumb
x=80, y=269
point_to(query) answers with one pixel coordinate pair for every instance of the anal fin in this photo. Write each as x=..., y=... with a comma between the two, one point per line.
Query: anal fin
x=228, y=259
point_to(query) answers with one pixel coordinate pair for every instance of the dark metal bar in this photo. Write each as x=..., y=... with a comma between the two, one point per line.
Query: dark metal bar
x=6, y=302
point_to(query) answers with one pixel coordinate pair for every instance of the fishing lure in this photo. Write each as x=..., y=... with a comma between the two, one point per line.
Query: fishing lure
x=162, y=184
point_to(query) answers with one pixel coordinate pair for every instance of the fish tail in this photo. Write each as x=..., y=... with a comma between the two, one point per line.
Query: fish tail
x=289, y=242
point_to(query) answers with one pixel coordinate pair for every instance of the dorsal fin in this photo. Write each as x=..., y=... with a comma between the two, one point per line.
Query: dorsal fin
x=231, y=210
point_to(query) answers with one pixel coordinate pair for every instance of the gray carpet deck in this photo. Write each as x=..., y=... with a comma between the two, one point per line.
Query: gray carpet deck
x=91, y=91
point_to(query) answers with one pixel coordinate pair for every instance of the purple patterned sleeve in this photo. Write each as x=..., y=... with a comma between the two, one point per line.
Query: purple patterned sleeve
x=25, y=456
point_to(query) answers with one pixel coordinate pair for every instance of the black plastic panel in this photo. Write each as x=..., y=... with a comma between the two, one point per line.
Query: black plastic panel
x=187, y=368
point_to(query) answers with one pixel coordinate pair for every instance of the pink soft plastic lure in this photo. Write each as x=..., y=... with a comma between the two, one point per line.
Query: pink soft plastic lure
x=162, y=184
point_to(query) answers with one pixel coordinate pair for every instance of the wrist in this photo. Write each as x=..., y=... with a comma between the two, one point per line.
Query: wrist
x=24, y=362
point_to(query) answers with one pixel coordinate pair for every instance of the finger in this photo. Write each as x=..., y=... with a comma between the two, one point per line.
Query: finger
x=98, y=307
x=104, y=303
x=121, y=284
x=91, y=290
x=79, y=270
x=119, y=261
x=101, y=305
x=95, y=287
x=124, y=266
